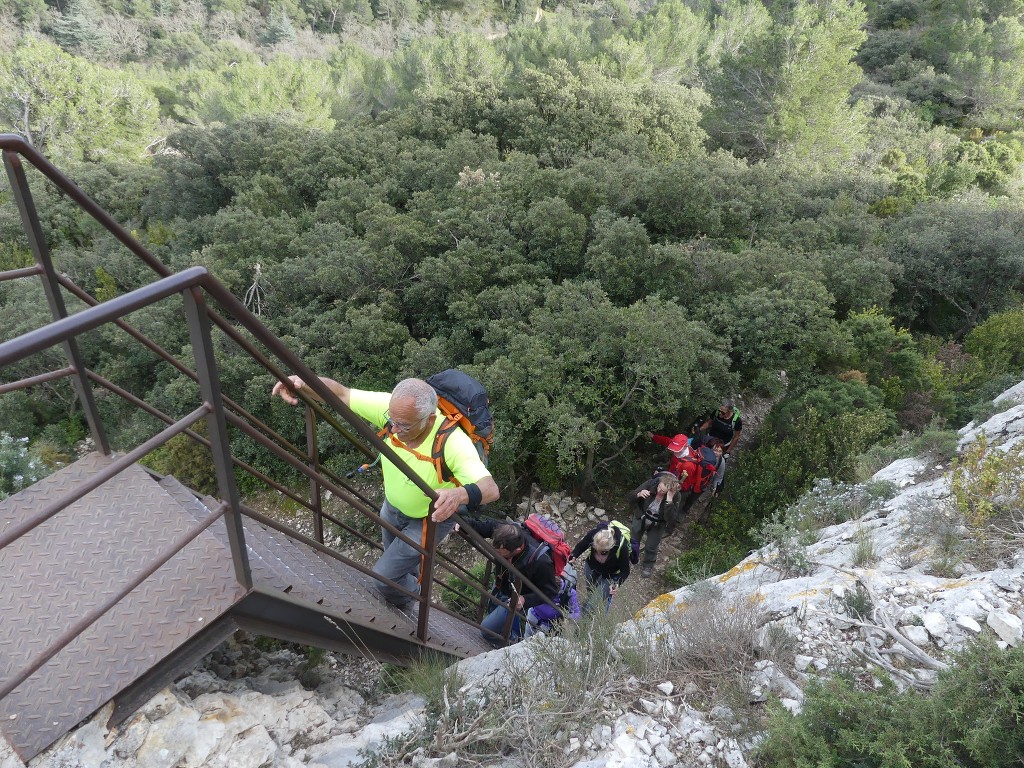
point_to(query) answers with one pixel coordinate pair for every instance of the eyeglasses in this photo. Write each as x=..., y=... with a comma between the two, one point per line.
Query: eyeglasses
x=399, y=427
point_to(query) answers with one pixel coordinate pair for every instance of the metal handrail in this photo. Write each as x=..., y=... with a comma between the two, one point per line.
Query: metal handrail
x=232, y=405
x=197, y=277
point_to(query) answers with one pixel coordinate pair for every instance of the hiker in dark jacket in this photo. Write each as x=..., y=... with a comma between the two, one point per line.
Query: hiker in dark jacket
x=724, y=423
x=655, y=510
x=607, y=565
x=531, y=558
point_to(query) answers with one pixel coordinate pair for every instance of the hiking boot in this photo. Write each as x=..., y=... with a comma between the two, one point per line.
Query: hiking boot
x=646, y=572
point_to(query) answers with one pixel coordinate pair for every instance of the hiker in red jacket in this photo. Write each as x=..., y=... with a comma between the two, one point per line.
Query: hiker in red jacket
x=678, y=446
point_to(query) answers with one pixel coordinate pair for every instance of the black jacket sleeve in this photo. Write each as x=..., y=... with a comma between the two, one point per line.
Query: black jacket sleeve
x=634, y=496
x=585, y=543
x=483, y=525
x=540, y=569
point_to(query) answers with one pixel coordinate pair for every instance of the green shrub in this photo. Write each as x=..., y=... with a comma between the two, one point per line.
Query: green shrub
x=864, y=548
x=856, y=602
x=187, y=460
x=788, y=536
x=19, y=467
x=971, y=718
x=713, y=547
x=987, y=483
x=976, y=402
x=940, y=444
x=999, y=342
x=881, y=455
x=462, y=599
x=777, y=473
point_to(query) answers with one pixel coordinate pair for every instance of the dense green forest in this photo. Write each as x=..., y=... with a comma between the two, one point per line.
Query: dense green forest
x=612, y=213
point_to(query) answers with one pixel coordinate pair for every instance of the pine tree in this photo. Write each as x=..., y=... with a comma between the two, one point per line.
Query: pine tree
x=79, y=31
x=279, y=29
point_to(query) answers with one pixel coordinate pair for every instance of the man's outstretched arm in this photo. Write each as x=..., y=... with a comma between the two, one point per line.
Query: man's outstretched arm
x=286, y=391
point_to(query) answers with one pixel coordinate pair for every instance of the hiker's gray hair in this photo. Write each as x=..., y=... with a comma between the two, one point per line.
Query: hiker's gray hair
x=423, y=395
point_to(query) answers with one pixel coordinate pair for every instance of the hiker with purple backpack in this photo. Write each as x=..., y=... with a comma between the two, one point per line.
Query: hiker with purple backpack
x=530, y=557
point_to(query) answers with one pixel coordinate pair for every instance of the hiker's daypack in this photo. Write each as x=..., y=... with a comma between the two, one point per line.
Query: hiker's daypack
x=551, y=538
x=625, y=540
x=702, y=464
x=463, y=402
x=567, y=585
x=545, y=617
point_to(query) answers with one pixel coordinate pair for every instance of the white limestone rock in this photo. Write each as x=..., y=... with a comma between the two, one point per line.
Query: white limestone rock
x=338, y=700
x=305, y=721
x=129, y=738
x=915, y=634
x=902, y=472
x=665, y=756
x=169, y=738
x=1008, y=627
x=792, y=705
x=734, y=758
x=974, y=608
x=968, y=623
x=8, y=757
x=1006, y=580
x=84, y=747
x=238, y=713
x=252, y=749
x=936, y=625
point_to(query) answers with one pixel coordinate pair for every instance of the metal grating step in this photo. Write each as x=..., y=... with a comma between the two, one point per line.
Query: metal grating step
x=61, y=570
x=349, y=596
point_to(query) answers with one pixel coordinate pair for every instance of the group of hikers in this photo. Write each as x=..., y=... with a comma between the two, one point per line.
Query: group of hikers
x=542, y=589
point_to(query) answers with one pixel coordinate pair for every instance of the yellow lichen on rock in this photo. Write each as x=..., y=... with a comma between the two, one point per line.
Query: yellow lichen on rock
x=660, y=604
x=738, y=569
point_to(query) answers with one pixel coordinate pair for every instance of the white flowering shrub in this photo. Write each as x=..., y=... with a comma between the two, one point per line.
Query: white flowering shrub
x=18, y=467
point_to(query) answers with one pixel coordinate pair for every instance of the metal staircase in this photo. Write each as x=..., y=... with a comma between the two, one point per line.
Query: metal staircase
x=115, y=580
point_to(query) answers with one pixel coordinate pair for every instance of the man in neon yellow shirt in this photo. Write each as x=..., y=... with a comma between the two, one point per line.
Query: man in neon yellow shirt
x=411, y=410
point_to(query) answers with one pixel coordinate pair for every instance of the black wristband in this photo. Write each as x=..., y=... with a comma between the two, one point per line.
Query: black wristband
x=475, y=495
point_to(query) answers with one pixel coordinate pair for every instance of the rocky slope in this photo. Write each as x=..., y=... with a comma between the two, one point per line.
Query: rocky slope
x=874, y=591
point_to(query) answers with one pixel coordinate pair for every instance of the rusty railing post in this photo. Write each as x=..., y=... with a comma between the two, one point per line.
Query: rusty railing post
x=315, y=491
x=427, y=574
x=37, y=242
x=209, y=387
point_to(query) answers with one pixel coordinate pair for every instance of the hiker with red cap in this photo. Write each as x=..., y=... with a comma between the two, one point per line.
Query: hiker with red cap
x=678, y=446
x=698, y=463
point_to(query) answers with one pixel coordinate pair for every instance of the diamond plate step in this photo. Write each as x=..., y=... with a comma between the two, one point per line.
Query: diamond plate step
x=58, y=572
x=344, y=593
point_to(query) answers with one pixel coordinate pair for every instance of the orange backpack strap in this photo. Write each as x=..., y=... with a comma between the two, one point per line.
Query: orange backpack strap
x=444, y=474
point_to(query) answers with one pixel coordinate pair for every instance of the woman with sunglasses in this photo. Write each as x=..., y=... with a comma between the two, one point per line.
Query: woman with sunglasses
x=607, y=565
